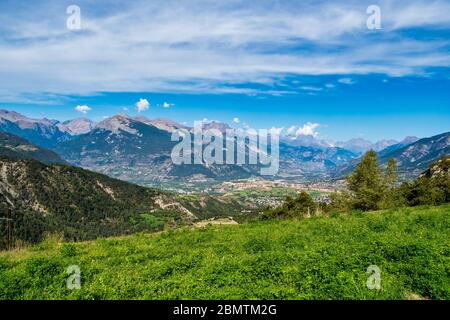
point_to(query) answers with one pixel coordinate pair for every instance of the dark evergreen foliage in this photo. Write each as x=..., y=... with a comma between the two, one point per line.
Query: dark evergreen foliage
x=71, y=201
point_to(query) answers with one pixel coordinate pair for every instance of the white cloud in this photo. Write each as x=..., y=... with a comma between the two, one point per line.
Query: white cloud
x=83, y=109
x=236, y=120
x=418, y=14
x=346, y=81
x=153, y=55
x=142, y=105
x=329, y=85
x=291, y=130
x=308, y=129
x=167, y=105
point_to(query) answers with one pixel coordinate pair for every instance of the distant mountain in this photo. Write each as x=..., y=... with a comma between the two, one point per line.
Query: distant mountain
x=24, y=121
x=76, y=126
x=412, y=159
x=42, y=132
x=408, y=140
x=138, y=149
x=134, y=149
x=16, y=147
x=163, y=124
x=417, y=157
x=311, y=162
x=357, y=145
x=360, y=145
x=383, y=144
x=222, y=127
x=305, y=141
x=401, y=144
x=116, y=139
x=127, y=148
x=170, y=125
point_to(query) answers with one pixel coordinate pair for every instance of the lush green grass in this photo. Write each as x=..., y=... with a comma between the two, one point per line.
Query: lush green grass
x=311, y=258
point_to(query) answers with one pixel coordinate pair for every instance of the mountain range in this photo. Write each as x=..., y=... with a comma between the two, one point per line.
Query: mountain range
x=412, y=158
x=137, y=149
x=76, y=126
x=42, y=132
x=355, y=145
x=15, y=147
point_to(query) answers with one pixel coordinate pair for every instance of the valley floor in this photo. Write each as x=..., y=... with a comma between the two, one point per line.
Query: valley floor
x=310, y=258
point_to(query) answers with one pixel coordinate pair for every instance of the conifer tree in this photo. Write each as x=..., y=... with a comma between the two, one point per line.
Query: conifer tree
x=366, y=183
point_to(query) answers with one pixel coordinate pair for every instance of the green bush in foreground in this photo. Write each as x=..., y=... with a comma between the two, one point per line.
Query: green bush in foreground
x=310, y=258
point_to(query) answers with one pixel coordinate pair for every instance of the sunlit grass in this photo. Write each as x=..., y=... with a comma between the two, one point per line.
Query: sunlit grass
x=309, y=258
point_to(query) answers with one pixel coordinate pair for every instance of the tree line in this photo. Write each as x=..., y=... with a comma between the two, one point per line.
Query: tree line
x=372, y=187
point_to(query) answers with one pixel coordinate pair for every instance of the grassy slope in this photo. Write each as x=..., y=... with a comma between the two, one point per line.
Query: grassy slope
x=322, y=258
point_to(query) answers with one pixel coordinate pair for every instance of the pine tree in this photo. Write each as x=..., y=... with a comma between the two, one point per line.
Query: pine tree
x=392, y=197
x=366, y=183
x=391, y=174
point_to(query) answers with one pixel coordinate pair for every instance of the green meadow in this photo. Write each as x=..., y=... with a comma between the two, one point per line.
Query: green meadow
x=323, y=257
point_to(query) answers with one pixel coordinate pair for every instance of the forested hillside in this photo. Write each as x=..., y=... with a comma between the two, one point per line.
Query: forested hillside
x=39, y=199
x=15, y=147
x=71, y=201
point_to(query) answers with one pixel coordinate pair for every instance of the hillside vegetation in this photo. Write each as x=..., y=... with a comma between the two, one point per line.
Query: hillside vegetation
x=371, y=187
x=15, y=147
x=77, y=203
x=82, y=205
x=307, y=258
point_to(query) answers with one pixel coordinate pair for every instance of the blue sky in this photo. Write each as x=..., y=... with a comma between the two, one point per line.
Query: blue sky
x=269, y=63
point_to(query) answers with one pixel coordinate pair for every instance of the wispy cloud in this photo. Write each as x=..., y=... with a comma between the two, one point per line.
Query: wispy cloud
x=346, y=81
x=419, y=14
x=191, y=46
x=311, y=88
